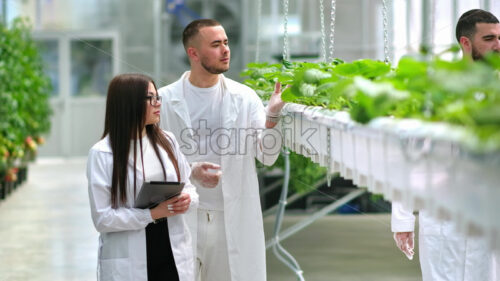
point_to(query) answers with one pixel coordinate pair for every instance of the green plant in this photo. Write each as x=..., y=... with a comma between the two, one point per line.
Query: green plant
x=303, y=172
x=460, y=92
x=24, y=94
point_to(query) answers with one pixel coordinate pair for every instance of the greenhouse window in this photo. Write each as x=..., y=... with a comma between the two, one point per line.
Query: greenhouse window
x=91, y=67
x=49, y=50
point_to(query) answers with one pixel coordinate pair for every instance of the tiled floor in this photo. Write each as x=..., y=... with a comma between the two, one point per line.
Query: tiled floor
x=45, y=228
x=46, y=234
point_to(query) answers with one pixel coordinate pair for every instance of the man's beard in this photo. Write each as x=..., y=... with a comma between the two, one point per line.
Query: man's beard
x=478, y=56
x=213, y=69
x=475, y=54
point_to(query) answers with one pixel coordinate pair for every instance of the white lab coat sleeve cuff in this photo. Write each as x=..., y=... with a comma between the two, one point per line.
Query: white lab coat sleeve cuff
x=269, y=140
x=147, y=216
x=402, y=218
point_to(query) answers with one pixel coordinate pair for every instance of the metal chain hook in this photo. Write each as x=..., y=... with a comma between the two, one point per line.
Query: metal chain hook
x=285, y=30
x=323, y=33
x=386, y=32
x=332, y=29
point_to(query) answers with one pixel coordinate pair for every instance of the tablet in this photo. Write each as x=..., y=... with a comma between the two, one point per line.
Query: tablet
x=154, y=192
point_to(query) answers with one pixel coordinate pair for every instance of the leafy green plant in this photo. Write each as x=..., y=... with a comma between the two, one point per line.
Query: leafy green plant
x=460, y=92
x=24, y=95
x=303, y=172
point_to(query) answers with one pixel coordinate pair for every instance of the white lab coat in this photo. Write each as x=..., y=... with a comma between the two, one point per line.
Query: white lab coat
x=242, y=112
x=445, y=254
x=122, y=240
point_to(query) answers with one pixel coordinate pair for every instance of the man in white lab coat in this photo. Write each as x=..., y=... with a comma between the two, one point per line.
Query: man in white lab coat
x=444, y=253
x=220, y=121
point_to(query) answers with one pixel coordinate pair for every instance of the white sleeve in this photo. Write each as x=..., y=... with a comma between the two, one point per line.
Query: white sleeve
x=105, y=218
x=402, y=218
x=269, y=140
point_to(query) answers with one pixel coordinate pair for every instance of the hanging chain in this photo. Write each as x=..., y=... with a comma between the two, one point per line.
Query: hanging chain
x=259, y=16
x=386, y=32
x=285, y=30
x=323, y=34
x=332, y=29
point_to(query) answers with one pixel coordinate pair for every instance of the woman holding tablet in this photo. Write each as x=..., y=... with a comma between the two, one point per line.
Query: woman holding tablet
x=138, y=244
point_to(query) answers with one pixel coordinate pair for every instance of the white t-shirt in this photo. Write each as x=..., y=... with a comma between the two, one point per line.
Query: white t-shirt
x=153, y=170
x=206, y=117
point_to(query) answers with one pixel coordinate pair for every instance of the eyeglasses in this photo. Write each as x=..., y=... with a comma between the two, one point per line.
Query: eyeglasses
x=153, y=100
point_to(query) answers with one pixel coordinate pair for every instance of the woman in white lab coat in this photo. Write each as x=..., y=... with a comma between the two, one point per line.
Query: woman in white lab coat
x=138, y=244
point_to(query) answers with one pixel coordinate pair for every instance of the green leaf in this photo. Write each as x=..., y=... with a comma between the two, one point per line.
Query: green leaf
x=366, y=67
x=307, y=89
x=313, y=75
x=288, y=96
x=410, y=68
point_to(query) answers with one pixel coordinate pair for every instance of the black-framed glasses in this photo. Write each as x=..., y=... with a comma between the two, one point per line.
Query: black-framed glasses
x=153, y=100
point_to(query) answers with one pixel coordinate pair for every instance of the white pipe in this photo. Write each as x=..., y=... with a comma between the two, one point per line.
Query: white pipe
x=486, y=5
x=426, y=26
x=278, y=250
x=408, y=25
x=454, y=15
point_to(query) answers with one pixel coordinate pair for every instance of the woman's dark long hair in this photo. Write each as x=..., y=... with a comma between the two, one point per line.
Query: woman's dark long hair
x=125, y=119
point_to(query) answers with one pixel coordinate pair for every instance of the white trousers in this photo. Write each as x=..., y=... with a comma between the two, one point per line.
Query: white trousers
x=212, y=261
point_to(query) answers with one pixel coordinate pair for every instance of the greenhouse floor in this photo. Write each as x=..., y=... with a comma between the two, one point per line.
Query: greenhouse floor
x=46, y=234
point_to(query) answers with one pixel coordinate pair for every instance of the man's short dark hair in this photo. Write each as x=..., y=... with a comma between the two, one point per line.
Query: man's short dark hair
x=466, y=25
x=193, y=28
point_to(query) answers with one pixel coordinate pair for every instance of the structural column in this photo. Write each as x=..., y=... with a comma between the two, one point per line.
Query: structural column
x=426, y=43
